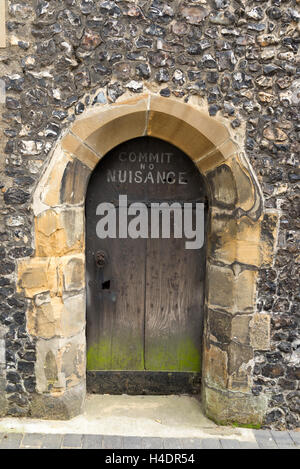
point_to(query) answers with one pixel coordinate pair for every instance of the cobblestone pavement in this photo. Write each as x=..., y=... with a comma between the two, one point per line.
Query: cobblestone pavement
x=265, y=439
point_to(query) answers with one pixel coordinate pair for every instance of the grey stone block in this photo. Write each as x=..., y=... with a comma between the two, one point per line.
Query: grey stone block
x=172, y=443
x=132, y=442
x=52, y=441
x=230, y=444
x=283, y=439
x=32, y=440
x=72, y=441
x=295, y=437
x=265, y=440
x=152, y=443
x=191, y=443
x=248, y=445
x=211, y=443
x=11, y=441
x=92, y=442
x=112, y=442
x=45, y=406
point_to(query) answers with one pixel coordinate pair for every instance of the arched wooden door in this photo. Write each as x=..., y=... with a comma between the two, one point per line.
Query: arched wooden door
x=145, y=295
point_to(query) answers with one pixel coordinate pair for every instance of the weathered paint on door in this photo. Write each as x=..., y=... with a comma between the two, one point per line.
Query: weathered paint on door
x=145, y=300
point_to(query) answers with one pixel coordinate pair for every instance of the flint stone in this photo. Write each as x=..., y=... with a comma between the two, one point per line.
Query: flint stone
x=194, y=15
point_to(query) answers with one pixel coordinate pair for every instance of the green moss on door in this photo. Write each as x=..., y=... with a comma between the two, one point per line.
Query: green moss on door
x=121, y=355
x=172, y=354
x=162, y=355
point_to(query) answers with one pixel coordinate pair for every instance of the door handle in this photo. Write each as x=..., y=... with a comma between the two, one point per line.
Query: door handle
x=101, y=259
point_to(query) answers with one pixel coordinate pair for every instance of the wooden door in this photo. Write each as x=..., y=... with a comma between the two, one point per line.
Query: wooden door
x=145, y=295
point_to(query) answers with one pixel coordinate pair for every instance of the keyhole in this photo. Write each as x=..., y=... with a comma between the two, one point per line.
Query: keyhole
x=106, y=285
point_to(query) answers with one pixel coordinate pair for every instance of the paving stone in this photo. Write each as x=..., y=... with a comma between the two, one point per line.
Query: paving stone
x=230, y=444
x=248, y=445
x=152, y=443
x=32, y=440
x=11, y=441
x=52, y=441
x=191, y=443
x=132, y=442
x=172, y=443
x=92, y=442
x=72, y=441
x=211, y=443
x=295, y=437
x=283, y=439
x=112, y=442
x=265, y=440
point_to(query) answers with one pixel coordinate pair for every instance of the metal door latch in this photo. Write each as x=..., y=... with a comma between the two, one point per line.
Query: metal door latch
x=101, y=259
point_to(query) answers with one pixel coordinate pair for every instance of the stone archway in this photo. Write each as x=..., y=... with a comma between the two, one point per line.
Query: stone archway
x=238, y=244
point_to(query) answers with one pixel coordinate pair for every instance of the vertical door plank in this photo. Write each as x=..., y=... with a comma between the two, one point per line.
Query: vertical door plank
x=115, y=297
x=174, y=306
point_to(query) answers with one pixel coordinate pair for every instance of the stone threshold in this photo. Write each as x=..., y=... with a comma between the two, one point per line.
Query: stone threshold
x=172, y=416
